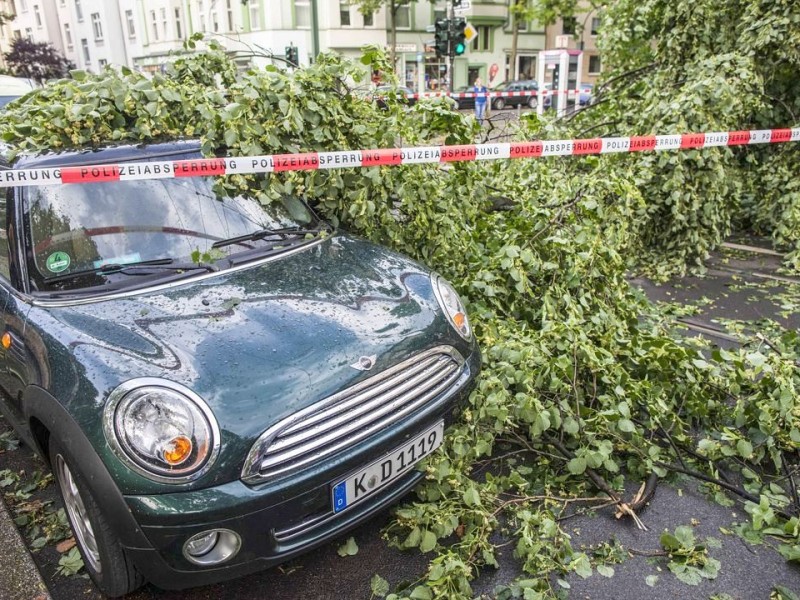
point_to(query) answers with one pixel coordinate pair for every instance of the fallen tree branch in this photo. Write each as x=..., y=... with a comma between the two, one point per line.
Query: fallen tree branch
x=623, y=508
x=731, y=488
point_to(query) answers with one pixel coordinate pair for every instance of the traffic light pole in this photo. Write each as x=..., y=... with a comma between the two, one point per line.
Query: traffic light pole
x=449, y=60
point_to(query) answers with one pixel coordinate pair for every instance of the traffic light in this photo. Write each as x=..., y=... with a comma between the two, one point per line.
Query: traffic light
x=292, y=55
x=442, y=37
x=457, y=36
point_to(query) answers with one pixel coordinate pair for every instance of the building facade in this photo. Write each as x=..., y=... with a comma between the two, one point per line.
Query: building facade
x=145, y=34
x=579, y=33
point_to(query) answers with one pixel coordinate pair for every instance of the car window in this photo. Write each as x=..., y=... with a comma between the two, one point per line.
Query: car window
x=77, y=227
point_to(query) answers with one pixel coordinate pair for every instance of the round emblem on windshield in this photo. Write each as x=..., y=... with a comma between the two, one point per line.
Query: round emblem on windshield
x=57, y=262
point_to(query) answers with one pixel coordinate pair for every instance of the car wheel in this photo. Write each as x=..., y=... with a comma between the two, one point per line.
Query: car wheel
x=499, y=104
x=103, y=556
x=533, y=102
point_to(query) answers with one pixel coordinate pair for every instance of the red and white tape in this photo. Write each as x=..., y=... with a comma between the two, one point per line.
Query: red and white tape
x=308, y=161
x=515, y=94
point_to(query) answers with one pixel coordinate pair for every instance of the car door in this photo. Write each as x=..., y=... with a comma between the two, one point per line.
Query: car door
x=13, y=375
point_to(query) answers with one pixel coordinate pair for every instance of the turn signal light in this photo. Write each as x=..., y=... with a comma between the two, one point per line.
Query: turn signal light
x=177, y=450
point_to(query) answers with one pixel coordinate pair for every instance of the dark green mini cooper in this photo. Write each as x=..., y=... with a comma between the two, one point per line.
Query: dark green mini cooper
x=217, y=386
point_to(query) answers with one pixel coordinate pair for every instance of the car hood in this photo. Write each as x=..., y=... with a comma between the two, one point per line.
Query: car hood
x=261, y=343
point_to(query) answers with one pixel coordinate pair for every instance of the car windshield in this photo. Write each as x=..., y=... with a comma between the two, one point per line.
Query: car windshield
x=81, y=229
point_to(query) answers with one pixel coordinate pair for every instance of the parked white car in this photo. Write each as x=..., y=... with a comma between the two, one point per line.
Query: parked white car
x=12, y=88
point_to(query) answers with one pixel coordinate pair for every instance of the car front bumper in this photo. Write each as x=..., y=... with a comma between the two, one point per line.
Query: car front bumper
x=276, y=522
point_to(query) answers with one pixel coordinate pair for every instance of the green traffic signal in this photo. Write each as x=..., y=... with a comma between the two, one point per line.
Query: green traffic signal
x=458, y=36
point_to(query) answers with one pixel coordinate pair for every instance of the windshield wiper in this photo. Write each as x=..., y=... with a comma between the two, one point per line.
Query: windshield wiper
x=134, y=268
x=260, y=234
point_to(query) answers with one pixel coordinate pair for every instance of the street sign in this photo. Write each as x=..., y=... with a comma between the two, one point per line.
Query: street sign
x=430, y=28
x=470, y=33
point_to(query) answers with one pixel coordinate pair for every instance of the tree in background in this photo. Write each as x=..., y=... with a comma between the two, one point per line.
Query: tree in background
x=368, y=7
x=36, y=60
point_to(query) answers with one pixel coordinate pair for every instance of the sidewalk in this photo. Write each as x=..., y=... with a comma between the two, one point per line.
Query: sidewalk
x=19, y=577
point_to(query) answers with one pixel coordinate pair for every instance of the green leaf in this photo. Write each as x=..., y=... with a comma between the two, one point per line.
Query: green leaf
x=577, y=465
x=231, y=136
x=744, y=448
x=581, y=565
x=349, y=548
x=379, y=586
x=472, y=497
x=421, y=592
x=428, y=542
x=605, y=570
x=626, y=426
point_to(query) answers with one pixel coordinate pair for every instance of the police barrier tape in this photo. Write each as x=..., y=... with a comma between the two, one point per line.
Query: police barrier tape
x=244, y=165
x=514, y=94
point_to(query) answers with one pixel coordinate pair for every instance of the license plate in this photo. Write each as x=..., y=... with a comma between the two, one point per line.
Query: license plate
x=363, y=483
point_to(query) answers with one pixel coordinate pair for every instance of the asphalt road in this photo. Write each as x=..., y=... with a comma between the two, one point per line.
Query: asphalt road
x=740, y=285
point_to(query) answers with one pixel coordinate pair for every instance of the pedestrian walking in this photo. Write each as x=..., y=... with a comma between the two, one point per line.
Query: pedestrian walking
x=480, y=99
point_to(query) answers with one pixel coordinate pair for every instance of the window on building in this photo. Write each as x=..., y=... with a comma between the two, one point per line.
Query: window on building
x=67, y=36
x=78, y=10
x=86, y=56
x=214, y=21
x=154, y=24
x=178, y=24
x=23, y=6
x=344, y=13
x=595, y=25
x=229, y=10
x=594, y=64
x=440, y=12
x=201, y=10
x=29, y=33
x=97, y=27
x=402, y=18
x=17, y=34
x=37, y=16
x=163, y=12
x=369, y=20
x=302, y=13
x=568, y=25
x=255, y=14
x=102, y=63
x=526, y=67
x=482, y=41
x=131, y=24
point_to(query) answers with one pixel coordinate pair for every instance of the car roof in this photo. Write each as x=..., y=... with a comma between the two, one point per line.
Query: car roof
x=14, y=86
x=111, y=153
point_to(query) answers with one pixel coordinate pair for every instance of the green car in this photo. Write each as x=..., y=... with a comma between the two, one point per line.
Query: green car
x=218, y=386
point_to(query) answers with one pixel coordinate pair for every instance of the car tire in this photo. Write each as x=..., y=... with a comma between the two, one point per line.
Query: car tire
x=499, y=104
x=533, y=102
x=104, y=558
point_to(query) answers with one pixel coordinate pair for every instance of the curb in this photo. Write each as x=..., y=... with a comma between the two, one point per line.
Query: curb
x=19, y=577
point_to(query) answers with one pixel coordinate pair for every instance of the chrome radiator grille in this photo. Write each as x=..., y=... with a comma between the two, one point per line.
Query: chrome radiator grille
x=352, y=415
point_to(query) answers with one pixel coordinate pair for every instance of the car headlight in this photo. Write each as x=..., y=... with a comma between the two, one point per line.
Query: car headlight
x=161, y=429
x=452, y=306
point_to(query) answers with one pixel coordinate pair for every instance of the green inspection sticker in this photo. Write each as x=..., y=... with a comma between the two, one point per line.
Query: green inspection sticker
x=57, y=262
